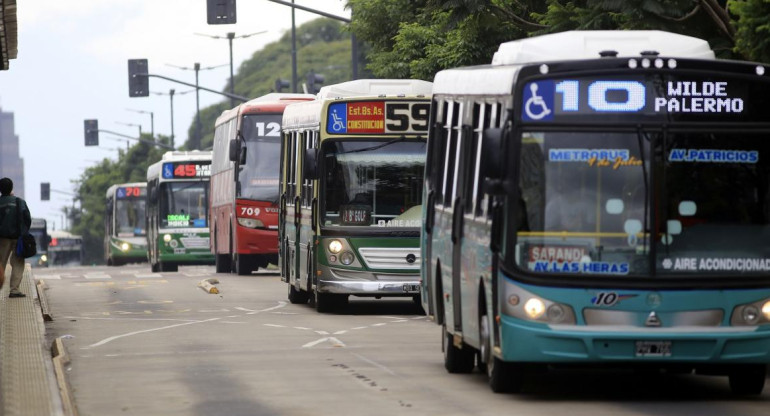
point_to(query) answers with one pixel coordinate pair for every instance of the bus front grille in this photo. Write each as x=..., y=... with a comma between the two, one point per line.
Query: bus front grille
x=391, y=258
x=195, y=242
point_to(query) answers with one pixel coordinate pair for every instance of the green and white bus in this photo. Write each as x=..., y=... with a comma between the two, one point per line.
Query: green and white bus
x=177, y=210
x=125, y=233
x=601, y=198
x=350, y=191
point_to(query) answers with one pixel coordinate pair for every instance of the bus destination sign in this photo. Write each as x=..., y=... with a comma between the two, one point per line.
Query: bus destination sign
x=126, y=192
x=680, y=97
x=378, y=117
x=185, y=170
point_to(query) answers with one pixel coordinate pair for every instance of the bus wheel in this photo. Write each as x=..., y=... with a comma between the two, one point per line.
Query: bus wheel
x=748, y=380
x=222, y=262
x=242, y=266
x=501, y=375
x=168, y=267
x=297, y=296
x=457, y=360
x=324, y=302
x=155, y=267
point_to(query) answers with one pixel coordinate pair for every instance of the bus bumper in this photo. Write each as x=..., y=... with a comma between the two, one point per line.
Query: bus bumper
x=523, y=341
x=367, y=283
x=254, y=241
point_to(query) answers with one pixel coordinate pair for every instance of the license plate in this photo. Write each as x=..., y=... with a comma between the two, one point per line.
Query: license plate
x=653, y=348
x=411, y=288
x=179, y=251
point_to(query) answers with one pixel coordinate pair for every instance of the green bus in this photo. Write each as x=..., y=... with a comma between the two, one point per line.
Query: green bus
x=125, y=233
x=351, y=192
x=177, y=210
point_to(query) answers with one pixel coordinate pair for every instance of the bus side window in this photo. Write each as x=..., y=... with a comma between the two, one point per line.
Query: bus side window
x=439, y=150
x=450, y=159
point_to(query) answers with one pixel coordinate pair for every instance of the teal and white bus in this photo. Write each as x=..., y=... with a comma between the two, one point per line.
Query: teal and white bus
x=350, y=192
x=125, y=233
x=177, y=210
x=601, y=198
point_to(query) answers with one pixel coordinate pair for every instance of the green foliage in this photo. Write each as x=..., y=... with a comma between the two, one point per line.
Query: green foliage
x=323, y=46
x=92, y=186
x=753, y=28
x=415, y=39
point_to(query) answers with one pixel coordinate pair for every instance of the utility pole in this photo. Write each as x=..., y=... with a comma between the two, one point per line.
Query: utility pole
x=196, y=144
x=152, y=119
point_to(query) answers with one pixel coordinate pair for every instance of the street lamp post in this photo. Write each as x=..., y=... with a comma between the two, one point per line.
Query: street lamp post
x=230, y=36
x=152, y=119
x=131, y=125
x=197, y=68
x=170, y=94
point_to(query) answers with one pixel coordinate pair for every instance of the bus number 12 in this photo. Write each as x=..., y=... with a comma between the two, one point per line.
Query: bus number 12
x=274, y=129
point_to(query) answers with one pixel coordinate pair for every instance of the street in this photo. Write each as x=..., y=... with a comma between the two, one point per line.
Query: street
x=145, y=343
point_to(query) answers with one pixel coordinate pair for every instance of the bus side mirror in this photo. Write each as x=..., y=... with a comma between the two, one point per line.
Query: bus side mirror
x=310, y=164
x=492, y=155
x=235, y=148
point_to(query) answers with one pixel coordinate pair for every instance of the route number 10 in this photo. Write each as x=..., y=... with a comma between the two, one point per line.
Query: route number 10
x=631, y=94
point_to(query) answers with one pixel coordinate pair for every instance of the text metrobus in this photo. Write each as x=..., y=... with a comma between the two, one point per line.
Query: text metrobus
x=125, y=236
x=177, y=210
x=607, y=211
x=244, y=183
x=351, y=175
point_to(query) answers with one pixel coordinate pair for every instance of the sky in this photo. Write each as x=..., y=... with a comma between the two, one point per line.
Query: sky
x=72, y=65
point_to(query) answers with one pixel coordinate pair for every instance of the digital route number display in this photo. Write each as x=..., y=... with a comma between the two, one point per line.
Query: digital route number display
x=186, y=170
x=378, y=117
x=130, y=192
x=679, y=97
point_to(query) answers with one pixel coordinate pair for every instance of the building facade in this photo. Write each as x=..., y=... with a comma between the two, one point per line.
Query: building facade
x=11, y=164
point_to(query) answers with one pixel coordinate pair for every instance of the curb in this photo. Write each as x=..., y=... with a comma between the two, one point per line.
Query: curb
x=44, y=308
x=60, y=360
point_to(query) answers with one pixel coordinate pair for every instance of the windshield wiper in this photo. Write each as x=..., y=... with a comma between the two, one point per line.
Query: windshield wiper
x=378, y=146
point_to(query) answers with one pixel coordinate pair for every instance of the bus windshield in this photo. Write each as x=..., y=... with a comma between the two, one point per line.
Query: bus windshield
x=41, y=238
x=129, y=217
x=258, y=177
x=184, y=204
x=587, y=206
x=373, y=183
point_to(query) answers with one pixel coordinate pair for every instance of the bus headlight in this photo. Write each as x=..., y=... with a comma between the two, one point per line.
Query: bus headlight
x=167, y=237
x=43, y=258
x=125, y=246
x=335, y=246
x=534, y=308
x=523, y=304
x=754, y=313
x=347, y=258
x=251, y=223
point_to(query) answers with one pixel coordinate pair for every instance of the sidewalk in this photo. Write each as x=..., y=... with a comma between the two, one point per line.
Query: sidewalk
x=28, y=385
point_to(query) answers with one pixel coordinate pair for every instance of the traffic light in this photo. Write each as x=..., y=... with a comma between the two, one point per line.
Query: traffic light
x=138, y=81
x=220, y=12
x=45, y=191
x=91, y=131
x=314, y=82
x=280, y=84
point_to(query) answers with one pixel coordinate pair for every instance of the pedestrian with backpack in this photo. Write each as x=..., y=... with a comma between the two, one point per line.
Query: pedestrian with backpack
x=10, y=231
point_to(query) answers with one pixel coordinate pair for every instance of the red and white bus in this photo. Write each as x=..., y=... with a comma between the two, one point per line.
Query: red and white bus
x=244, y=183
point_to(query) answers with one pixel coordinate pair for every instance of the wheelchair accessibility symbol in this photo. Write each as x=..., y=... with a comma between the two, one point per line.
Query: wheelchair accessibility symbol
x=538, y=101
x=337, y=118
x=168, y=171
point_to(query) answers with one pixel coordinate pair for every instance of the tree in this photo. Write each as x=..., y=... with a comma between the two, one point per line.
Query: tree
x=415, y=39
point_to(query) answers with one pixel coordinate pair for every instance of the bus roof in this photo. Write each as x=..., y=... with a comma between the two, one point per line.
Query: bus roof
x=376, y=87
x=586, y=44
x=272, y=102
x=63, y=234
x=307, y=114
x=498, y=78
x=111, y=190
x=38, y=223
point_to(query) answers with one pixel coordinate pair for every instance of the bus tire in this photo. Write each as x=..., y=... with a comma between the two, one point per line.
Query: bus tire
x=221, y=261
x=324, y=302
x=155, y=267
x=297, y=297
x=242, y=266
x=168, y=267
x=457, y=360
x=502, y=376
x=748, y=379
